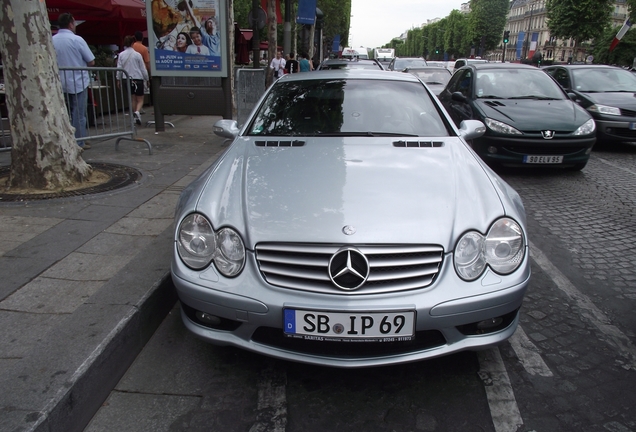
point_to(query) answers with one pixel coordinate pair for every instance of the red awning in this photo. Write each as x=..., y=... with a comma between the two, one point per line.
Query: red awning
x=105, y=22
x=247, y=34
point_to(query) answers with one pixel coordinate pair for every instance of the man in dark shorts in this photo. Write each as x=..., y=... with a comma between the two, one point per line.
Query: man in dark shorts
x=132, y=62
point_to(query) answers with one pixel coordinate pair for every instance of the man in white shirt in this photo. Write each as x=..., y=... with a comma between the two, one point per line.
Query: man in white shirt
x=72, y=51
x=278, y=65
x=132, y=62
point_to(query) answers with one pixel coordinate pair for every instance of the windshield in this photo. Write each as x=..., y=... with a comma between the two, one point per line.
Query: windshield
x=603, y=80
x=439, y=76
x=348, y=107
x=409, y=63
x=516, y=83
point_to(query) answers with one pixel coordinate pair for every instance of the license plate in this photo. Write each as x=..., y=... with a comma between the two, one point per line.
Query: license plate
x=632, y=126
x=542, y=159
x=342, y=326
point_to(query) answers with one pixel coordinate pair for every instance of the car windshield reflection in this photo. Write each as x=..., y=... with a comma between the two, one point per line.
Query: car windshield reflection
x=338, y=107
x=516, y=84
x=603, y=80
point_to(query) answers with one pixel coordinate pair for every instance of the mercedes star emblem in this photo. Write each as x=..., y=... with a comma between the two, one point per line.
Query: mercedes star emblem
x=348, y=269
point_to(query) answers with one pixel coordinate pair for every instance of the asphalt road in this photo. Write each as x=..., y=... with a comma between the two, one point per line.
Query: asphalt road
x=571, y=366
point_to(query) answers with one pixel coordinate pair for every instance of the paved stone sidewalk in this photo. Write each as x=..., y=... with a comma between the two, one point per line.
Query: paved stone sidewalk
x=84, y=279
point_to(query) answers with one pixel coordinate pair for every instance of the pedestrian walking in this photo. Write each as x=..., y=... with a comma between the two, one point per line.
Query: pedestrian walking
x=304, y=63
x=292, y=65
x=278, y=65
x=145, y=54
x=72, y=51
x=132, y=62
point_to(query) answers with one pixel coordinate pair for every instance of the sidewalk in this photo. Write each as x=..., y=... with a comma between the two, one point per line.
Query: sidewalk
x=86, y=280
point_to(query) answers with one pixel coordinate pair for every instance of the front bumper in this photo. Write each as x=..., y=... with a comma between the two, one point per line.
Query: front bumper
x=250, y=313
x=511, y=151
x=616, y=131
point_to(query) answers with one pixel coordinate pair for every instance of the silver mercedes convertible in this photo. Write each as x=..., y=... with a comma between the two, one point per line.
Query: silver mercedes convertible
x=349, y=224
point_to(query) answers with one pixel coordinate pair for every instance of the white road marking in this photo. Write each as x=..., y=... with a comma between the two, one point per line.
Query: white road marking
x=528, y=354
x=272, y=401
x=594, y=315
x=501, y=398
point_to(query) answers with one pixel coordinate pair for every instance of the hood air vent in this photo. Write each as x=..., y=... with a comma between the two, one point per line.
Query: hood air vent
x=418, y=144
x=294, y=143
x=494, y=103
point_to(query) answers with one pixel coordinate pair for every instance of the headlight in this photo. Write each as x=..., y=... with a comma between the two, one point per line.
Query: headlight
x=502, y=249
x=604, y=109
x=231, y=256
x=499, y=127
x=587, y=128
x=198, y=244
x=196, y=241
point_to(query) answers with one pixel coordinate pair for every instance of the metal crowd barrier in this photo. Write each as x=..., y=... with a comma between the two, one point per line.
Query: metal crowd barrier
x=109, y=110
x=250, y=86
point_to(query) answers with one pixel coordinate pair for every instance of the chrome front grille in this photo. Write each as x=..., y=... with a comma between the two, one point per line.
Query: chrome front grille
x=391, y=267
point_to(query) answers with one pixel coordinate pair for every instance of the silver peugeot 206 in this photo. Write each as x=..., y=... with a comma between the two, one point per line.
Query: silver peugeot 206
x=350, y=224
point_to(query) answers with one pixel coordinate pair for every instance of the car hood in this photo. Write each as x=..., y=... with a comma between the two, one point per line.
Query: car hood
x=614, y=99
x=530, y=114
x=388, y=194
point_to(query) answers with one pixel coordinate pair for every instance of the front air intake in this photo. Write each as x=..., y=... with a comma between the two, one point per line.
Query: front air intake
x=418, y=144
x=294, y=143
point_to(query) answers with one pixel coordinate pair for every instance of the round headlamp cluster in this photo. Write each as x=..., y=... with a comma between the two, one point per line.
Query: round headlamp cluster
x=502, y=249
x=199, y=244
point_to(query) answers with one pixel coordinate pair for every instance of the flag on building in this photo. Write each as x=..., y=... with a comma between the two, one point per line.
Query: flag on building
x=620, y=34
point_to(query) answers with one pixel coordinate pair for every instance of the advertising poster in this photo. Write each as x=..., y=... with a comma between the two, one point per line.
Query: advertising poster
x=187, y=37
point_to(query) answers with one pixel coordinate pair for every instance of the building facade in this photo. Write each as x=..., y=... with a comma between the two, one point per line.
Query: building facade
x=529, y=34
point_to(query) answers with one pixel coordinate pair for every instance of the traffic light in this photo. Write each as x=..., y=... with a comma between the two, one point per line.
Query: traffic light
x=506, y=36
x=436, y=50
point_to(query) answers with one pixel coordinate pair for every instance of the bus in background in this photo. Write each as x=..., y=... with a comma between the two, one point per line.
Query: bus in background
x=384, y=54
x=361, y=53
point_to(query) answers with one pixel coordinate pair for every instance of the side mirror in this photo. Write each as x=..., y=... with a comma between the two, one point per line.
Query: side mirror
x=459, y=97
x=471, y=129
x=226, y=128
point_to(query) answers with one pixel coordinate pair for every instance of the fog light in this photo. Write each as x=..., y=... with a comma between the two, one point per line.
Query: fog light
x=208, y=319
x=489, y=323
x=492, y=149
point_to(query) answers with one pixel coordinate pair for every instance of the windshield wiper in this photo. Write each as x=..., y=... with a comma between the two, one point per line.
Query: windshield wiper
x=534, y=97
x=434, y=82
x=489, y=97
x=362, y=134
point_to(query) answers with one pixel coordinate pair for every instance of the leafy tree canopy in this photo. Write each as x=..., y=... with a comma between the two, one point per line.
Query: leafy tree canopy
x=487, y=20
x=580, y=20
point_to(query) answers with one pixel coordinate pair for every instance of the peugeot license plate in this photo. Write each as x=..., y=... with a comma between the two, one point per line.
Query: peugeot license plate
x=531, y=159
x=359, y=326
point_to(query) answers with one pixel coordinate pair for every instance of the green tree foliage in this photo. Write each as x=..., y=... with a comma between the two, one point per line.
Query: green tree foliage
x=455, y=34
x=456, y=38
x=337, y=17
x=487, y=19
x=580, y=20
x=631, y=5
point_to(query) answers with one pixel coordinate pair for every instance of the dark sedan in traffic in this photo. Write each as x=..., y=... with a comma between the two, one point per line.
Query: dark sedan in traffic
x=530, y=120
x=606, y=92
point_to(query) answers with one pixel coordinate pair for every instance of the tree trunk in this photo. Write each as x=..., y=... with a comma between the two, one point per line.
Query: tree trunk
x=44, y=153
